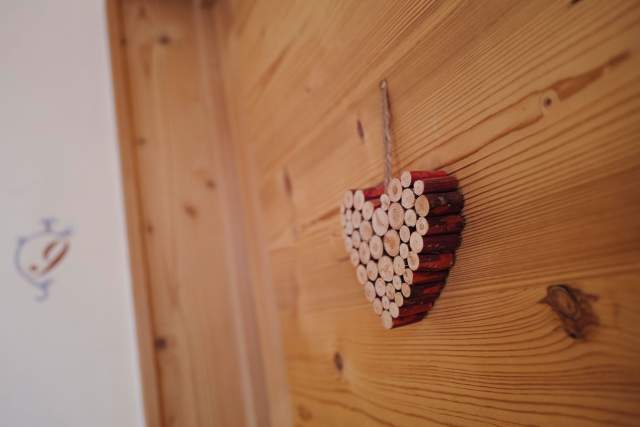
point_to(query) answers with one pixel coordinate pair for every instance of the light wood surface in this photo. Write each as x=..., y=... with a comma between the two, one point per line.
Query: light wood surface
x=534, y=106
x=200, y=351
x=135, y=227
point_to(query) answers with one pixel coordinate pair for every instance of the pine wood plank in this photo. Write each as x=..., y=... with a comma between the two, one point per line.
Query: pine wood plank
x=534, y=106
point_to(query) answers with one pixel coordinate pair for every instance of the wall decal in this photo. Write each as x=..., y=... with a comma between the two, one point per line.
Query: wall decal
x=39, y=255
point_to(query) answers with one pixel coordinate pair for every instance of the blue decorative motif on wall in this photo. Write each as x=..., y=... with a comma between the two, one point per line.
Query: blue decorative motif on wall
x=38, y=255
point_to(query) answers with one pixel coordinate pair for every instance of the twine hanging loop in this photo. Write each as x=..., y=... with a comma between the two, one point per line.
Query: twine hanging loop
x=386, y=131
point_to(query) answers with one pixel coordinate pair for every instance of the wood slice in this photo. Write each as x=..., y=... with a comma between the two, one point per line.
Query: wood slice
x=396, y=216
x=408, y=198
x=385, y=302
x=355, y=257
x=398, y=299
x=389, y=322
x=440, y=184
x=398, y=266
x=394, y=190
x=422, y=226
x=381, y=287
x=358, y=200
x=405, y=290
x=355, y=239
x=394, y=310
x=372, y=270
x=396, y=282
x=367, y=210
x=364, y=253
x=385, y=202
x=368, y=207
x=375, y=247
x=377, y=306
x=380, y=222
x=369, y=291
x=385, y=268
x=407, y=276
x=356, y=219
x=413, y=260
x=418, y=188
x=366, y=231
x=391, y=292
x=348, y=228
x=391, y=242
x=348, y=199
x=404, y=250
x=405, y=233
x=405, y=179
x=361, y=274
x=416, y=242
x=410, y=218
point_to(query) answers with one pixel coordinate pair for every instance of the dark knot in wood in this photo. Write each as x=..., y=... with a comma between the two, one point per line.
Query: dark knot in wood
x=337, y=361
x=573, y=307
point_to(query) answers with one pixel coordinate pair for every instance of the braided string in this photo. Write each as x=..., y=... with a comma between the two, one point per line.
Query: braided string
x=386, y=131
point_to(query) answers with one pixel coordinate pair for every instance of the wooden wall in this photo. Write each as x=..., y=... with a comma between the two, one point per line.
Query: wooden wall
x=194, y=306
x=534, y=106
x=246, y=118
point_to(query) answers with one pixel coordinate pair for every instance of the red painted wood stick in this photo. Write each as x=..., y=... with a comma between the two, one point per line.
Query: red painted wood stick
x=408, y=310
x=435, y=262
x=433, y=204
x=422, y=291
x=373, y=192
x=445, y=224
x=389, y=322
x=434, y=244
x=408, y=177
x=440, y=184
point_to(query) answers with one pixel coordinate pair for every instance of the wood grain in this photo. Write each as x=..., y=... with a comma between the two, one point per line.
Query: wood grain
x=535, y=107
x=135, y=228
x=187, y=243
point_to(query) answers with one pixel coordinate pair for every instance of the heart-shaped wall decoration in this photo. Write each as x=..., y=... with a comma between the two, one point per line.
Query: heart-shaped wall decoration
x=402, y=242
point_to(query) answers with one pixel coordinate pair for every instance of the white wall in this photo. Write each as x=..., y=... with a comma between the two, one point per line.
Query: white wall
x=69, y=360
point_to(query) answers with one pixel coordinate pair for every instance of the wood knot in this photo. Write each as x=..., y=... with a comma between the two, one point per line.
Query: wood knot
x=288, y=188
x=573, y=307
x=164, y=39
x=304, y=413
x=190, y=210
x=337, y=361
x=160, y=343
x=360, y=130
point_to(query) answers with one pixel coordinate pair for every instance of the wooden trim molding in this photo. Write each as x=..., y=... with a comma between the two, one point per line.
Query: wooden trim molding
x=133, y=212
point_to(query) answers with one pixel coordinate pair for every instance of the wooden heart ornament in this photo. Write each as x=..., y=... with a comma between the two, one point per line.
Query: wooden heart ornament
x=402, y=242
